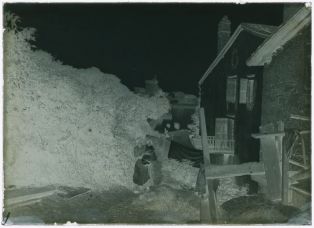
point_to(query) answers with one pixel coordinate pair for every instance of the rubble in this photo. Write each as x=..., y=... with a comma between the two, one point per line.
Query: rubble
x=68, y=126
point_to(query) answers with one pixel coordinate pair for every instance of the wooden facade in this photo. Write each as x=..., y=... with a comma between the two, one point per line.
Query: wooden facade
x=230, y=92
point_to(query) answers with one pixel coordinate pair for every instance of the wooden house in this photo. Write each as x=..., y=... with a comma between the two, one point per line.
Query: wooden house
x=230, y=91
x=253, y=94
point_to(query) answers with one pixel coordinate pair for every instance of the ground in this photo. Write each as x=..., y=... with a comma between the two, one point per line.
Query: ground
x=159, y=205
x=109, y=206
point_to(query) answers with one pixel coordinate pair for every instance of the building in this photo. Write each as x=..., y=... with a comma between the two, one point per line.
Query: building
x=286, y=96
x=286, y=61
x=230, y=90
x=257, y=94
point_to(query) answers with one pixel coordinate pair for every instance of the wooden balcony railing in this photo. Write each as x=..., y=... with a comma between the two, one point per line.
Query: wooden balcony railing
x=216, y=145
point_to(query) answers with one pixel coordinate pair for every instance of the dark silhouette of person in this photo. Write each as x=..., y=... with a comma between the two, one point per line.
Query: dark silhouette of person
x=141, y=169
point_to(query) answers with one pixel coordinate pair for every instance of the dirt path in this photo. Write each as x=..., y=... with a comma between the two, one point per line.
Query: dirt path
x=161, y=205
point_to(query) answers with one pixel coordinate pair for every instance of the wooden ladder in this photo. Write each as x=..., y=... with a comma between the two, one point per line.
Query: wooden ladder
x=290, y=179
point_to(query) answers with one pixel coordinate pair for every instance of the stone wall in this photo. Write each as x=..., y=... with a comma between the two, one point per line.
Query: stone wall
x=286, y=83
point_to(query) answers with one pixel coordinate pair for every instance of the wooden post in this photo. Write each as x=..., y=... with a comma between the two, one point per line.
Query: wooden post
x=211, y=212
x=285, y=175
x=303, y=151
x=205, y=145
x=271, y=149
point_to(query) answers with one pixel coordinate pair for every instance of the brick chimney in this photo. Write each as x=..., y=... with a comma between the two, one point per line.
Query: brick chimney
x=224, y=31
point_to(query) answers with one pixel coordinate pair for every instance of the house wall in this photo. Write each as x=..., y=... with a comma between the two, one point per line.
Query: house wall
x=286, y=87
x=247, y=122
x=213, y=97
x=287, y=90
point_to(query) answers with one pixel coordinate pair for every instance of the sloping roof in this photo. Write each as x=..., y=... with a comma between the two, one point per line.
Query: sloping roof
x=259, y=30
x=286, y=32
x=262, y=31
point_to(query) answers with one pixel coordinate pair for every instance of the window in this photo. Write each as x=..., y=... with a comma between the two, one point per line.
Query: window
x=251, y=94
x=243, y=90
x=231, y=95
x=231, y=89
x=224, y=128
x=247, y=91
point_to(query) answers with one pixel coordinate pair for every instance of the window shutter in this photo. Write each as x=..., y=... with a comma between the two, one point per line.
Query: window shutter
x=243, y=90
x=231, y=89
x=250, y=94
x=230, y=129
x=247, y=91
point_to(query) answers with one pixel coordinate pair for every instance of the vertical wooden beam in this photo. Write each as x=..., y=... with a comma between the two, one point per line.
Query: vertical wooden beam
x=285, y=175
x=303, y=151
x=204, y=212
x=272, y=167
x=204, y=139
x=212, y=201
x=271, y=145
x=211, y=214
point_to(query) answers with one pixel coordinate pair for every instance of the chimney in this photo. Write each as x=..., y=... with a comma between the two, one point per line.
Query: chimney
x=224, y=30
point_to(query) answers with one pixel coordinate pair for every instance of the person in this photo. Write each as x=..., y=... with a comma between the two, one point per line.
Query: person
x=141, y=173
x=150, y=152
x=142, y=169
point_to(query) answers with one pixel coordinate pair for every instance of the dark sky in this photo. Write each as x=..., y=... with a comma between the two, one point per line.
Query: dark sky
x=175, y=42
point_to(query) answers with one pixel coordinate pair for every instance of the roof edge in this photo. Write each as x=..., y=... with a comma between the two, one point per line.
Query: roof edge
x=263, y=54
x=221, y=54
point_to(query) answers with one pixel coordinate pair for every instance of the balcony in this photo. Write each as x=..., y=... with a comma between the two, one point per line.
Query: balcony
x=216, y=145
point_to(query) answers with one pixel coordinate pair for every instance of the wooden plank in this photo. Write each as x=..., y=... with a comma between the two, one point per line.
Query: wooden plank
x=285, y=176
x=222, y=171
x=278, y=142
x=299, y=117
x=298, y=164
x=23, y=191
x=205, y=145
x=300, y=191
x=12, y=206
x=270, y=135
x=71, y=192
x=305, y=132
x=292, y=173
x=212, y=201
x=304, y=174
x=272, y=164
x=210, y=193
x=197, y=144
x=24, y=198
x=303, y=151
x=292, y=146
x=204, y=212
x=226, y=152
